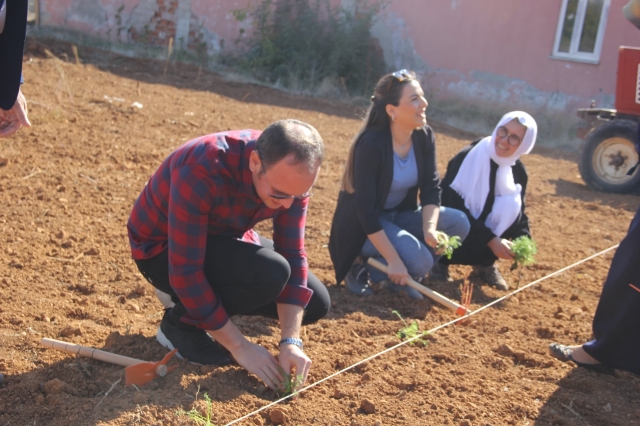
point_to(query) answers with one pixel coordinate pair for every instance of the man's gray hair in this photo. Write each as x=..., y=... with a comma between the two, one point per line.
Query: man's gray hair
x=285, y=137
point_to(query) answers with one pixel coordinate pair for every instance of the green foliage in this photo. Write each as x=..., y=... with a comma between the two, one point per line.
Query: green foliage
x=239, y=14
x=447, y=244
x=196, y=417
x=524, y=248
x=410, y=331
x=291, y=385
x=307, y=43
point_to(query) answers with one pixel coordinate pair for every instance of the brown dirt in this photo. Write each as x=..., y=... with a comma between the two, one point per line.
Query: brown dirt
x=65, y=272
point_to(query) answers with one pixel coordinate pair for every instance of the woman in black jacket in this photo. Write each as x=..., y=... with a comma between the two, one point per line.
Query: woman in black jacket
x=390, y=161
x=487, y=181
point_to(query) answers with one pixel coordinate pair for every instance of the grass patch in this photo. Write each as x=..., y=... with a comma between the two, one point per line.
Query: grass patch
x=308, y=44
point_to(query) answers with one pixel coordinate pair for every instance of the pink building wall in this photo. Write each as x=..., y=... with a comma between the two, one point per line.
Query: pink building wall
x=500, y=51
x=189, y=22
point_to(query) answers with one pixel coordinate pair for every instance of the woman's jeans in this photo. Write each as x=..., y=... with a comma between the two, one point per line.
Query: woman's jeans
x=404, y=230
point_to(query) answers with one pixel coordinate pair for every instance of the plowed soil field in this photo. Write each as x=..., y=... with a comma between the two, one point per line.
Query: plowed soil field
x=66, y=189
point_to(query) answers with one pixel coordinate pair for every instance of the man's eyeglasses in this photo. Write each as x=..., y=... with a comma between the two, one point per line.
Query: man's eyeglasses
x=281, y=196
x=512, y=139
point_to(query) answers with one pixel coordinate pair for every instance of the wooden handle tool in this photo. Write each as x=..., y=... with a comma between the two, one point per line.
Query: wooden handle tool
x=435, y=296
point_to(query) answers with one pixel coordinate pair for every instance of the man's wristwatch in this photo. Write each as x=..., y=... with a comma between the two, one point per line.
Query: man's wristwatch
x=291, y=341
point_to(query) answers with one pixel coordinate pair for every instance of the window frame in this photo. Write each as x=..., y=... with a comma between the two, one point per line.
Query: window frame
x=574, y=54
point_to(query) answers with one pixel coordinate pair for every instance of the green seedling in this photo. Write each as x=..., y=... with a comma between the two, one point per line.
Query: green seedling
x=292, y=383
x=196, y=417
x=446, y=244
x=524, y=248
x=410, y=331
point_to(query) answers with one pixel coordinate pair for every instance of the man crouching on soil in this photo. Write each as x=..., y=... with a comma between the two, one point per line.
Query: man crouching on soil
x=191, y=235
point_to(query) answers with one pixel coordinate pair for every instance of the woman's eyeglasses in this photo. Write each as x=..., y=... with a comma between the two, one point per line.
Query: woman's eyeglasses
x=402, y=75
x=512, y=138
x=280, y=196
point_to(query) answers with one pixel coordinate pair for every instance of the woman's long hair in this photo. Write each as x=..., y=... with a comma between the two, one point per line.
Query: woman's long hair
x=387, y=91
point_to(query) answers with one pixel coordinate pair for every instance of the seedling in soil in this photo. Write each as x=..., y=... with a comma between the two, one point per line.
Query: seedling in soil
x=524, y=249
x=196, y=417
x=446, y=244
x=410, y=331
x=292, y=382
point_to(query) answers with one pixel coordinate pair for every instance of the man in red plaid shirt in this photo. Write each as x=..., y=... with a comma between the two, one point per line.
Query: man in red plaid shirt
x=191, y=235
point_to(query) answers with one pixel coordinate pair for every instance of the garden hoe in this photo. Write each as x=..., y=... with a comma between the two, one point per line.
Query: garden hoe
x=437, y=297
x=138, y=372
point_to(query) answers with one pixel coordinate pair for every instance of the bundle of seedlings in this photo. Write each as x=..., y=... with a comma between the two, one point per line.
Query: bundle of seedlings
x=524, y=248
x=446, y=244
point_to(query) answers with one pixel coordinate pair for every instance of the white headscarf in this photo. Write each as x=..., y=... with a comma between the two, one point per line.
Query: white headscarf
x=472, y=180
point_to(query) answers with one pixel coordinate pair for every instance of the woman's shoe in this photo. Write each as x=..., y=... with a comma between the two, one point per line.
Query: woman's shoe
x=358, y=280
x=491, y=275
x=563, y=353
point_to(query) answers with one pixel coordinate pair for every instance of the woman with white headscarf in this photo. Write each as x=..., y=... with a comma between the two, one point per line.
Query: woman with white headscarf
x=487, y=181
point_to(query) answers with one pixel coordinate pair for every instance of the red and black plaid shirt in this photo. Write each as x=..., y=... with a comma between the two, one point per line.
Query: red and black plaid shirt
x=205, y=188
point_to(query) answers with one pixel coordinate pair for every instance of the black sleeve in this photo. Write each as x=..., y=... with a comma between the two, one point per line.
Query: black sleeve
x=521, y=225
x=451, y=198
x=368, y=163
x=430, y=190
x=12, y=41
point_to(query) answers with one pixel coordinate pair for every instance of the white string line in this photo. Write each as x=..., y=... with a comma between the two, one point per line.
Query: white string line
x=553, y=274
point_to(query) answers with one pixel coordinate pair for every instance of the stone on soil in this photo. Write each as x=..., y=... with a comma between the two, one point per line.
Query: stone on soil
x=367, y=406
x=505, y=350
x=277, y=416
x=71, y=331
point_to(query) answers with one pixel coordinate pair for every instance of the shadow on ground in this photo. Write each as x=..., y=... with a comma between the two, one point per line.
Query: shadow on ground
x=572, y=403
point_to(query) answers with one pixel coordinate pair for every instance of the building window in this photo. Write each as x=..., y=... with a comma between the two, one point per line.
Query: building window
x=581, y=30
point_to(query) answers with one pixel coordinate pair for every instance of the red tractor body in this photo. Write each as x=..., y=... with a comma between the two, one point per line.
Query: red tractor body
x=608, y=155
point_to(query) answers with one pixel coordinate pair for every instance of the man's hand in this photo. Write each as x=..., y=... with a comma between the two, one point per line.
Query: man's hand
x=16, y=117
x=257, y=360
x=292, y=356
x=501, y=248
x=254, y=358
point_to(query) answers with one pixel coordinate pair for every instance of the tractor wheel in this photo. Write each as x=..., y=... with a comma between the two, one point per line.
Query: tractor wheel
x=607, y=155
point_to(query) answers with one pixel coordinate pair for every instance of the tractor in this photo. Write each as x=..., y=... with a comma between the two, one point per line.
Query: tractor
x=608, y=157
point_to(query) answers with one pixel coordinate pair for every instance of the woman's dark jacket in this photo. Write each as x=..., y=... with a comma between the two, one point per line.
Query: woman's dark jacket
x=358, y=215
x=479, y=235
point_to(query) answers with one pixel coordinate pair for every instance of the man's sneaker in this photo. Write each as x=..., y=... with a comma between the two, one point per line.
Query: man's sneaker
x=193, y=343
x=440, y=272
x=358, y=280
x=492, y=276
x=397, y=288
